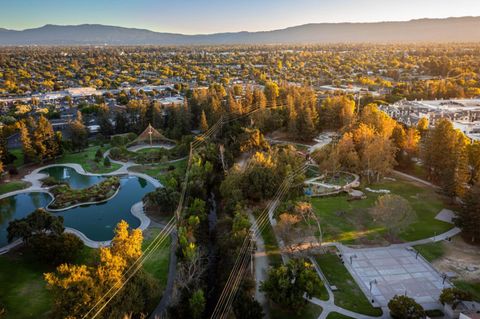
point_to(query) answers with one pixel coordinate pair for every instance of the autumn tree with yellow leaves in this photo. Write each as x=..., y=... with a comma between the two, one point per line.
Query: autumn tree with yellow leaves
x=77, y=288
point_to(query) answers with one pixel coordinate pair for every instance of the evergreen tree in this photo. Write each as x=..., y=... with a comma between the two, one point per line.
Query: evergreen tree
x=78, y=133
x=446, y=159
x=29, y=152
x=469, y=216
x=203, y=122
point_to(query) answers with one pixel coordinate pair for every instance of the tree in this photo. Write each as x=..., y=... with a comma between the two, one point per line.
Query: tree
x=287, y=229
x=56, y=249
x=197, y=304
x=403, y=307
x=98, y=155
x=77, y=288
x=245, y=306
x=337, y=112
x=469, y=216
x=78, y=133
x=445, y=157
x=422, y=126
x=43, y=233
x=378, y=120
x=45, y=142
x=106, y=162
x=40, y=222
x=393, y=212
x=253, y=139
x=287, y=284
x=203, y=122
x=28, y=150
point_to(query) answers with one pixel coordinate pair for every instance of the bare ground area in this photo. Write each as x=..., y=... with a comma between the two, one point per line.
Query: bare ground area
x=461, y=258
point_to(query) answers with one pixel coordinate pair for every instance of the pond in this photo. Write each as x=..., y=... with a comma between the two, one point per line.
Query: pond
x=97, y=221
x=68, y=174
x=19, y=206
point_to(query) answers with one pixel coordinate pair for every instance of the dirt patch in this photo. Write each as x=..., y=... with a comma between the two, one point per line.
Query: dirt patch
x=461, y=258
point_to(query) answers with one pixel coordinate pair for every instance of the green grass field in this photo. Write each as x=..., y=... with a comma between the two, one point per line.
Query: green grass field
x=472, y=287
x=310, y=311
x=13, y=186
x=86, y=158
x=350, y=221
x=161, y=171
x=23, y=291
x=336, y=315
x=348, y=295
x=158, y=262
x=431, y=251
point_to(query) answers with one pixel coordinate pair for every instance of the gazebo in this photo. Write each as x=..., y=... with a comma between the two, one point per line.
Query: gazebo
x=151, y=136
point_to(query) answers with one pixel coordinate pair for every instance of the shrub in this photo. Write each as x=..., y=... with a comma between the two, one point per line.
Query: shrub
x=130, y=137
x=98, y=155
x=106, y=162
x=12, y=169
x=115, y=153
x=453, y=296
x=403, y=307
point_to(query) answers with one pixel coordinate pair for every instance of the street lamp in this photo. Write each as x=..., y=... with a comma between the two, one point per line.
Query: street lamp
x=374, y=281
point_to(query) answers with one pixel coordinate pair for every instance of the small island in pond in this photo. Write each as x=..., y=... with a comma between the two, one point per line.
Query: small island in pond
x=65, y=196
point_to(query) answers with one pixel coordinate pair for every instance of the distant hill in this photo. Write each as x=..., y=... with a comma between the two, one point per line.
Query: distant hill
x=465, y=29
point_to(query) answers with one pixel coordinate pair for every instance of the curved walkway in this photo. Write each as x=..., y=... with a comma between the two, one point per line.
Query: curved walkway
x=415, y=179
x=137, y=148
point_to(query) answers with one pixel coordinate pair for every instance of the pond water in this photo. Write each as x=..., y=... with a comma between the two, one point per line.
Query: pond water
x=68, y=174
x=19, y=206
x=97, y=221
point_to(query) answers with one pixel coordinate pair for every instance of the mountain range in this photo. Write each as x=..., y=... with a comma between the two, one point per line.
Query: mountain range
x=463, y=29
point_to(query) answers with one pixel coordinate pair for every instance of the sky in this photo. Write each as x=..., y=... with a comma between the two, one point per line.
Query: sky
x=210, y=16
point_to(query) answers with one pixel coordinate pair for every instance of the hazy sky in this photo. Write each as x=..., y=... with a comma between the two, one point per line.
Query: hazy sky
x=208, y=16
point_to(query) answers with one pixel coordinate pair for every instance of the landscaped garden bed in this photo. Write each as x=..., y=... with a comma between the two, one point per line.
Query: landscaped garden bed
x=65, y=196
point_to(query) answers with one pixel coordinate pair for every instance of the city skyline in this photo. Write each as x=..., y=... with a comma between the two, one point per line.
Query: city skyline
x=200, y=17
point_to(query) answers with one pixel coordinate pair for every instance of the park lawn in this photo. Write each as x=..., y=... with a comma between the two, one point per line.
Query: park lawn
x=348, y=295
x=350, y=221
x=336, y=315
x=13, y=186
x=161, y=171
x=431, y=251
x=158, y=263
x=311, y=311
x=472, y=287
x=23, y=291
x=86, y=158
x=22, y=287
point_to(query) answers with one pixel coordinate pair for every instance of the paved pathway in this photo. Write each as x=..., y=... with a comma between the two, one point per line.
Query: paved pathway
x=415, y=179
x=136, y=148
x=261, y=266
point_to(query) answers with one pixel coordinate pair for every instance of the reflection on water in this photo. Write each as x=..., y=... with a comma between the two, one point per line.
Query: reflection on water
x=97, y=222
x=76, y=180
x=19, y=206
